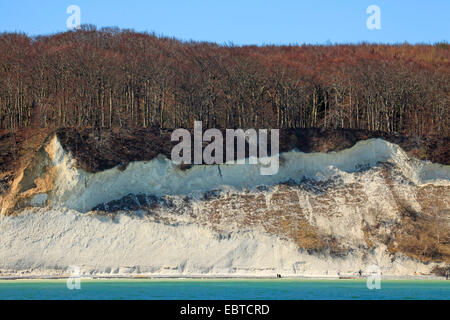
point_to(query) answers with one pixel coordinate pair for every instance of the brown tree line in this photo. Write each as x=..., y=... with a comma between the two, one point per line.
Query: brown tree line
x=111, y=77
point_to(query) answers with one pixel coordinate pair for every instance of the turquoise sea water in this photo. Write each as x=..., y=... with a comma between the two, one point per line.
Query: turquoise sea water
x=224, y=289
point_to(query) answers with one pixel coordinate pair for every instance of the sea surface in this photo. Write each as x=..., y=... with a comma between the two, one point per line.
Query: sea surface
x=168, y=289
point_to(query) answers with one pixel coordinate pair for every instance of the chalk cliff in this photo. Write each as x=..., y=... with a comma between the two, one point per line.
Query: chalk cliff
x=322, y=214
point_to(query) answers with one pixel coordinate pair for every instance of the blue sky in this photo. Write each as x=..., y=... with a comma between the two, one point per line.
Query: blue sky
x=243, y=22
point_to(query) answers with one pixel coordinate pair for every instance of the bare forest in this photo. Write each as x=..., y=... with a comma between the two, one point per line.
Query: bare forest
x=112, y=78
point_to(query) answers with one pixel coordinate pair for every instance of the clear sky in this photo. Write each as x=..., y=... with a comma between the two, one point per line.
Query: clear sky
x=243, y=21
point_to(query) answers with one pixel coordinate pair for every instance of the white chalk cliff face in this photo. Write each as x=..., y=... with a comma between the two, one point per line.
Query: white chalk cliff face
x=322, y=214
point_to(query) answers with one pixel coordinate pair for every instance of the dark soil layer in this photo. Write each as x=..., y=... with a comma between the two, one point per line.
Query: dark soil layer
x=97, y=150
x=432, y=148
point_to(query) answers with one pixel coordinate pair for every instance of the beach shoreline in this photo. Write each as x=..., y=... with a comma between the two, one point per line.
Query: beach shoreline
x=217, y=278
